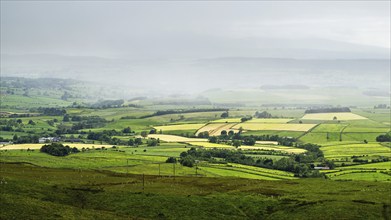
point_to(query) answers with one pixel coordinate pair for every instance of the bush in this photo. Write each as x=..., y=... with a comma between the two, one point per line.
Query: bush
x=171, y=160
x=384, y=138
x=57, y=149
x=152, y=142
x=187, y=161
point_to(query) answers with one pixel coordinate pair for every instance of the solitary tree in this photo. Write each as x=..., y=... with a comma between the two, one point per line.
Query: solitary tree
x=225, y=114
x=144, y=134
x=126, y=130
x=237, y=143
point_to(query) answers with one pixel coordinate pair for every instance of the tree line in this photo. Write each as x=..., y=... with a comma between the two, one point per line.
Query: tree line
x=327, y=110
x=301, y=165
x=58, y=149
x=168, y=112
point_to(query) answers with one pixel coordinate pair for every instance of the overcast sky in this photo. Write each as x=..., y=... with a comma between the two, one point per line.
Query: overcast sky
x=172, y=29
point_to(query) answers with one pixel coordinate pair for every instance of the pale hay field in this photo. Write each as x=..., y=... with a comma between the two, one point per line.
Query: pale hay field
x=344, y=116
x=254, y=120
x=215, y=129
x=274, y=127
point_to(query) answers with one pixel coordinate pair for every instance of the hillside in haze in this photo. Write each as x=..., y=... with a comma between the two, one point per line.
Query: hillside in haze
x=196, y=75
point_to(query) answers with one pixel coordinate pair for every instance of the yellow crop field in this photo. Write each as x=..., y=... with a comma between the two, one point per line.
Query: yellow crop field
x=269, y=120
x=274, y=127
x=175, y=138
x=215, y=129
x=254, y=120
x=330, y=116
x=179, y=127
x=210, y=145
x=38, y=146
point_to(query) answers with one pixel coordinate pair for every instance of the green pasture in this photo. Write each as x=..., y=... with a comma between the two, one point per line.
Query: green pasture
x=349, y=150
x=360, y=175
x=20, y=101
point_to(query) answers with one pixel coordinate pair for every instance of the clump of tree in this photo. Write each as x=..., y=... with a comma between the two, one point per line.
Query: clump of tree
x=384, y=137
x=127, y=130
x=108, y=104
x=25, y=139
x=380, y=106
x=247, y=118
x=58, y=149
x=263, y=114
x=203, y=134
x=231, y=137
x=135, y=142
x=12, y=125
x=66, y=96
x=52, y=111
x=78, y=123
x=186, y=160
x=225, y=114
x=230, y=156
x=171, y=160
x=152, y=142
x=181, y=111
x=327, y=110
x=104, y=135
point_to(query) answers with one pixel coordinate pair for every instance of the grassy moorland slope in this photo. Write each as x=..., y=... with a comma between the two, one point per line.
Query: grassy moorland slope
x=31, y=192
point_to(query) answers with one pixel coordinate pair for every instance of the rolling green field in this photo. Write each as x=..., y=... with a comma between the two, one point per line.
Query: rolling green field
x=91, y=194
x=210, y=145
x=348, y=150
x=107, y=182
x=179, y=127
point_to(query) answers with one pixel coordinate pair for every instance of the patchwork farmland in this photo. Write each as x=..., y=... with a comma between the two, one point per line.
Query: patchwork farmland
x=169, y=148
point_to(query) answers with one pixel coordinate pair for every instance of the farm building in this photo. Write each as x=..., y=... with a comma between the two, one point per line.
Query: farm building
x=48, y=139
x=321, y=168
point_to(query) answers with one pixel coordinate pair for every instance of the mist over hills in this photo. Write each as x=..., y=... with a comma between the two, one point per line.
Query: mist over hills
x=196, y=75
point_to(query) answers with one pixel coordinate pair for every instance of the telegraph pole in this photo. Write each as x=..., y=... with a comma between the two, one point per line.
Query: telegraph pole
x=174, y=170
x=143, y=182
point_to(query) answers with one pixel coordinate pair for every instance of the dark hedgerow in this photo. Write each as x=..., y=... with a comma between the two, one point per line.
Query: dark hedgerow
x=58, y=149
